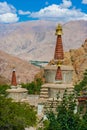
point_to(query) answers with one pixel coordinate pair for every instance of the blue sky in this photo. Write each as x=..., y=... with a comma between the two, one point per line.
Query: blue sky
x=12, y=11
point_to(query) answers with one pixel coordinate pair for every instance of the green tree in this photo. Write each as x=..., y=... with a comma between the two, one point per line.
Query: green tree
x=65, y=117
x=33, y=87
x=3, y=89
x=82, y=85
x=15, y=116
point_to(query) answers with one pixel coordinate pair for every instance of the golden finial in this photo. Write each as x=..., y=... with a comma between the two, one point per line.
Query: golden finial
x=59, y=63
x=59, y=30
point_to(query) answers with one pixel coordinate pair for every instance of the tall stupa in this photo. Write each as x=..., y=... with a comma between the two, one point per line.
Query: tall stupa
x=58, y=77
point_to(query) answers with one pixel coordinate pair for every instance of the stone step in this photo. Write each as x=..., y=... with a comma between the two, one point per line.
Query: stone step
x=44, y=92
x=45, y=89
x=44, y=96
x=51, y=103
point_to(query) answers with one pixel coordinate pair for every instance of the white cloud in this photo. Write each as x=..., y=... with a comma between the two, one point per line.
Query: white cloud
x=8, y=18
x=66, y=4
x=61, y=12
x=21, y=12
x=7, y=13
x=84, y=1
x=4, y=7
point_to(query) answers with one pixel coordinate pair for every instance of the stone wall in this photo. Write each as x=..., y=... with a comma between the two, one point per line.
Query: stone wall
x=33, y=100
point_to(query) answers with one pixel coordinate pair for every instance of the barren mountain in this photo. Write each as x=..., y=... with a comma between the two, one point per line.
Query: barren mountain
x=78, y=58
x=36, y=40
x=25, y=72
x=3, y=80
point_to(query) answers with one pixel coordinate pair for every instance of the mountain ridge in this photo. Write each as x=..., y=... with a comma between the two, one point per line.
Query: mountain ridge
x=36, y=40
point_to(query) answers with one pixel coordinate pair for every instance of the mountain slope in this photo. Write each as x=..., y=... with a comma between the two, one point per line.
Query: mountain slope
x=78, y=58
x=25, y=72
x=36, y=40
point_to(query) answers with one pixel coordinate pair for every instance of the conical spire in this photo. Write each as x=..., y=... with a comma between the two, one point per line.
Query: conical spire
x=58, y=74
x=13, y=81
x=59, y=54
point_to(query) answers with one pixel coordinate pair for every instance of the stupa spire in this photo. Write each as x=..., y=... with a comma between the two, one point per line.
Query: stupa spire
x=59, y=54
x=13, y=80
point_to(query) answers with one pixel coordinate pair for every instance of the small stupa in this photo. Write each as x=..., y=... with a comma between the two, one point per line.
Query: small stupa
x=16, y=92
x=58, y=76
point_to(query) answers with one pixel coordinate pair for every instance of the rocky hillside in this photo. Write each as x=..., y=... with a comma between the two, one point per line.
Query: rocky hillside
x=78, y=58
x=36, y=40
x=3, y=80
x=25, y=72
